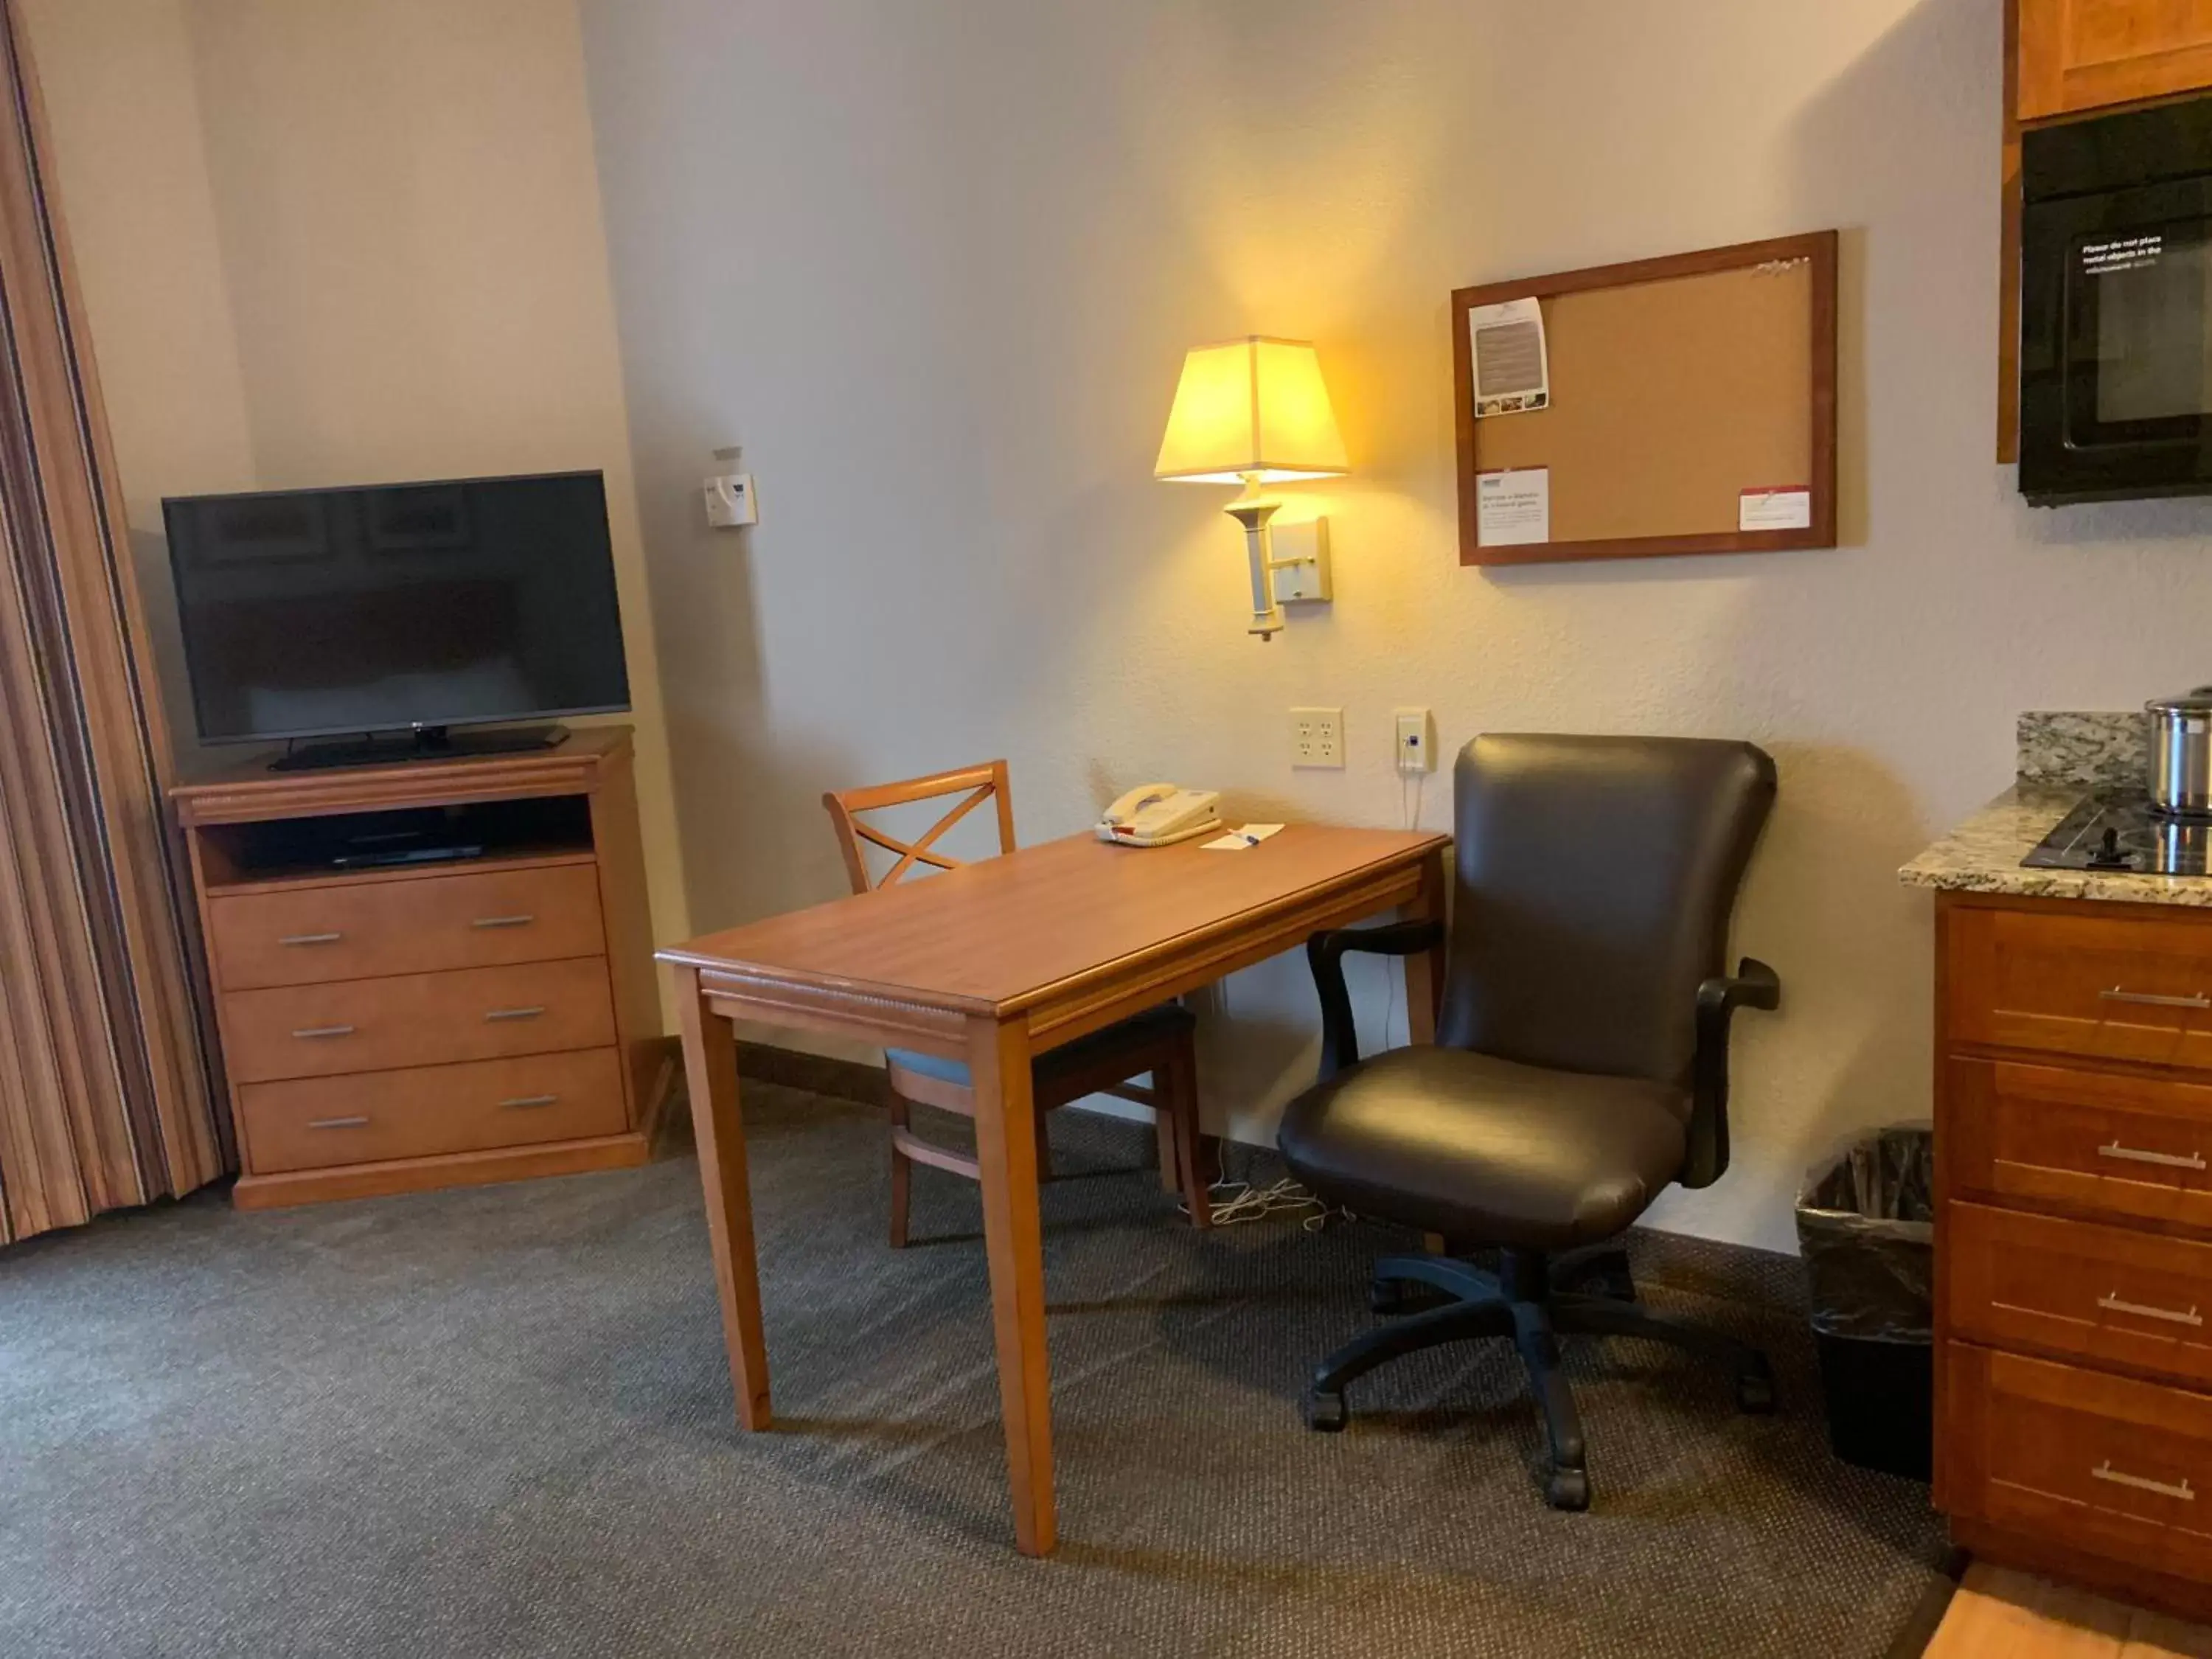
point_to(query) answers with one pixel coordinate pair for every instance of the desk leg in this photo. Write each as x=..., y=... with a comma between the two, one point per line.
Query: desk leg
x=1424, y=974
x=710, y=1071
x=1006, y=1148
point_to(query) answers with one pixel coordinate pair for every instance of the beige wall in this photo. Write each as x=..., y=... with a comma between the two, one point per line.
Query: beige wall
x=936, y=267
x=324, y=242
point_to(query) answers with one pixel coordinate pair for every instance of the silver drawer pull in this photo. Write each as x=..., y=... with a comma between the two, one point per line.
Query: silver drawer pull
x=2113, y=1304
x=503, y=922
x=514, y=1014
x=531, y=1100
x=2151, y=1000
x=2105, y=1471
x=339, y=1123
x=314, y=1032
x=312, y=938
x=2164, y=1160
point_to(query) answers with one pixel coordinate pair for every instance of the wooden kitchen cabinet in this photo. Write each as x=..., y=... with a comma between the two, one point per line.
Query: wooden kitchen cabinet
x=2076, y=55
x=2073, y=1239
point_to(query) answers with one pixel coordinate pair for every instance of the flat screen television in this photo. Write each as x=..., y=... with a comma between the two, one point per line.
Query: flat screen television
x=398, y=609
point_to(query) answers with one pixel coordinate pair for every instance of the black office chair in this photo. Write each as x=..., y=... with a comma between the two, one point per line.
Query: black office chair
x=1581, y=1060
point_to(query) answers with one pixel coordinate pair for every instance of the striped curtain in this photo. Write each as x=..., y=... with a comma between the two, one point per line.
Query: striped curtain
x=105, y=1096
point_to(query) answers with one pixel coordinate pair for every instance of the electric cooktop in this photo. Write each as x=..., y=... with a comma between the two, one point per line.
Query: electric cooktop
x=2122, y=833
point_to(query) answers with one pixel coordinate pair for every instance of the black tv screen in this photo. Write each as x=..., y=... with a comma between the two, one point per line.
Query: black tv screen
x=323, y=612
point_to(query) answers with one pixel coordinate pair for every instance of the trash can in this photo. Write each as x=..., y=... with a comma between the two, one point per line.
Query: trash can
x=1866, y=1226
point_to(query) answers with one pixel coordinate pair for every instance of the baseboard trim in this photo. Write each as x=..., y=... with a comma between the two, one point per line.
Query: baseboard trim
x=817, y=1074
x=1734, y=1272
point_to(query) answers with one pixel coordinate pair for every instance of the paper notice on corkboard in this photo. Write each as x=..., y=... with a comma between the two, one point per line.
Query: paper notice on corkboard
x=1511, y=374
x=1513, y=508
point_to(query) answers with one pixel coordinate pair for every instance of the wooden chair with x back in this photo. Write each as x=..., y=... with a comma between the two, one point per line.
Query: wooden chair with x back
x=1157, y=1043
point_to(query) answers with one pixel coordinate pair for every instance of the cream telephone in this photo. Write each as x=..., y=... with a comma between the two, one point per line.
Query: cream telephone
x=1159, y=814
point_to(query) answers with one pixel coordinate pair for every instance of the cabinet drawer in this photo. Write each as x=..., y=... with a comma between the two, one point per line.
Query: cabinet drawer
x=2133, y=1148
x=2102, y=1294
x=314, y=935
x=2105, y=987
x=2098, y=1462
x=317, y=1123
x=417, y=1019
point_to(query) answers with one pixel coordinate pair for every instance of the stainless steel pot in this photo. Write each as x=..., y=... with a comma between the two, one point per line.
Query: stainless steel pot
x=2181, y=753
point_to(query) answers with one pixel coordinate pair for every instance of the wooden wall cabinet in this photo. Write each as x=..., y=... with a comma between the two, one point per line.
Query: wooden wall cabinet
x=2077, y=55
x=2074, y=1240
x=388, y=1029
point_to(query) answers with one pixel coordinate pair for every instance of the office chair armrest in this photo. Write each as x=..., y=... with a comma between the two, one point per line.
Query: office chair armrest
x=1325, y=954
x=1753, y=985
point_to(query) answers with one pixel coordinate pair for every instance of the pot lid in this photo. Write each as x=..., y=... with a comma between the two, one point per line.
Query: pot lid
x=2198, y=702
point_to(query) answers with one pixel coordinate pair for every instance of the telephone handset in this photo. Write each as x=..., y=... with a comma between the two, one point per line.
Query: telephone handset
x=1159, y=815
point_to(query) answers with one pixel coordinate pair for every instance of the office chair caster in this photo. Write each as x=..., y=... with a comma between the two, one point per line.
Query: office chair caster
x=1754, y=1388
x=1327, y=1413
x=1568, y=1489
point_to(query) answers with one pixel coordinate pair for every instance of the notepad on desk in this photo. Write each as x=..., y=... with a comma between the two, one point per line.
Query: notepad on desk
x=1237, y=839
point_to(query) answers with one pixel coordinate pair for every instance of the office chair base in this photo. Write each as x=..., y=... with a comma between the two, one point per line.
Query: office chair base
x=1528, y=1301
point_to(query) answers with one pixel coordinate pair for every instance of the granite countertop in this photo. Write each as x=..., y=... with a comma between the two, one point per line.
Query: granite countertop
x=1984, y=854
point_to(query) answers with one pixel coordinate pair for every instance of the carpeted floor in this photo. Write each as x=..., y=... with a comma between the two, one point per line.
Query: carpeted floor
x=498, y=1422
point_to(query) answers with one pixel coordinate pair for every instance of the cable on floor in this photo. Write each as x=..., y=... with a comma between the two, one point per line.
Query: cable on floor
x=1234, y=1202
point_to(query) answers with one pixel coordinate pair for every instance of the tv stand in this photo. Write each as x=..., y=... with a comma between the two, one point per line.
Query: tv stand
x=423, y=743
x=391, y=1029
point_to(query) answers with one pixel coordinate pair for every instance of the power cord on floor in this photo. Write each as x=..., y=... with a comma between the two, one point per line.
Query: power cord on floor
x=1234, y=1202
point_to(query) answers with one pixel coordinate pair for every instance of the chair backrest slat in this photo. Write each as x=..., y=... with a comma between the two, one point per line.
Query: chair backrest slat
x=974, y=784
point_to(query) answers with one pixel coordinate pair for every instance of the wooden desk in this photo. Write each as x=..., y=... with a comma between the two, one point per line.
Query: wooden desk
x=993, y=963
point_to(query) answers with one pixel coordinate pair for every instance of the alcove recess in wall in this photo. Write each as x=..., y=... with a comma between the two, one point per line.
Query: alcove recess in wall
x=1692, y=408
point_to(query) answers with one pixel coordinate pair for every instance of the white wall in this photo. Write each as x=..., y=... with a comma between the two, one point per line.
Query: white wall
x=936, y=267
x=322, y=242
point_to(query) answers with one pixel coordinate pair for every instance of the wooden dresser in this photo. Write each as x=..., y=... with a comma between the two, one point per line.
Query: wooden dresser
x=2074, y=1244
x=482, y=1018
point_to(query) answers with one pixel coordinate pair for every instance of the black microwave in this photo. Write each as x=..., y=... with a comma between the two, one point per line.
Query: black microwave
x=2116, y=307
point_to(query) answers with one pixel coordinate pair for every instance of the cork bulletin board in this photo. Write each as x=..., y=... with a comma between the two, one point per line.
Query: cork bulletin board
x=1691, y=409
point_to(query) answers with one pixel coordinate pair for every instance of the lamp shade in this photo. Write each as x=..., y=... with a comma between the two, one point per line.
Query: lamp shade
x=1255, y=407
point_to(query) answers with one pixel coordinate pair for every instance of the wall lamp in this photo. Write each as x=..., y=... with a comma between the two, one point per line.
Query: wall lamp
x=1257, y=411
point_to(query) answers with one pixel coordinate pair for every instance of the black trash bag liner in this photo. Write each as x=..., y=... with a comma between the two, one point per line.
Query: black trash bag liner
x=1866, y=1226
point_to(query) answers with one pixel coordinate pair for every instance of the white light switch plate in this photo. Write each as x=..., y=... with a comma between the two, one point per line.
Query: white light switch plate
x=1317, y=737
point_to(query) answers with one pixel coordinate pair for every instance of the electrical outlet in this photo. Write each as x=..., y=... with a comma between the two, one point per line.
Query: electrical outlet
x=1317, y=737
x=1417, y=741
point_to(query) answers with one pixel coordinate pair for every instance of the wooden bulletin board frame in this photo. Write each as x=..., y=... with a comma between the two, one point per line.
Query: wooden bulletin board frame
x=1721, y=365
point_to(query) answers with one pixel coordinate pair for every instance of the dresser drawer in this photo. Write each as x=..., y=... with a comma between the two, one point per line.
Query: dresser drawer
x=2103, y=986
x=417, y=1019
x=317, y=1123
x=2104, y=1294
x=2101, y=1463
x=2133, y=1148
x=361, y=930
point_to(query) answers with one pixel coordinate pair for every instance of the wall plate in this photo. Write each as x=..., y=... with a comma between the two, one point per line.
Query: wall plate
x=1416, y=741
x=1300, y=554
x=1317, y=737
